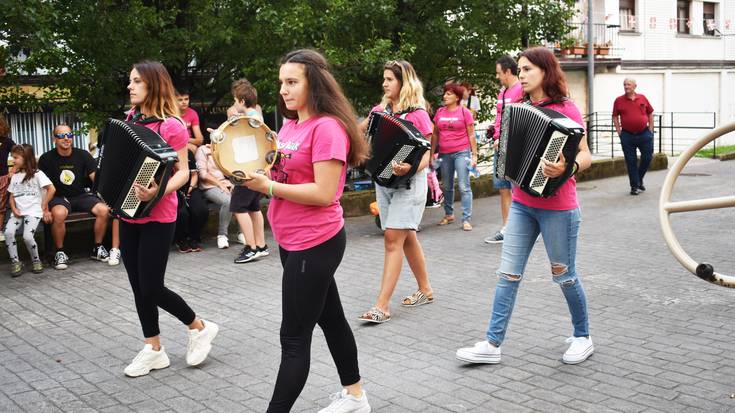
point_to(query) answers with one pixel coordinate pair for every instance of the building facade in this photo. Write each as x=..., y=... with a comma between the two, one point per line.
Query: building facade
x=680, y=52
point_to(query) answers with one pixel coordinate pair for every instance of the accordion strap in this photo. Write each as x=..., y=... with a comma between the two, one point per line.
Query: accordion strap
x=544, y=104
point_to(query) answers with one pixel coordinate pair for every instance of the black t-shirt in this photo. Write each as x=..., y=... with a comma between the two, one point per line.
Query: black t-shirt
x=6, y=144
x=69, y=174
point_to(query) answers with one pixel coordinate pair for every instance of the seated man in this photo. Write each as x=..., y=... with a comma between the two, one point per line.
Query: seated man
x=72, y=170
x=191, y=119
x=192, y=213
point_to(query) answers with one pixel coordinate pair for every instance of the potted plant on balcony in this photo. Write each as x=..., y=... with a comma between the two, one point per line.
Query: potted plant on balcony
x=603, y=49
x=565, y=46
x=572, y=46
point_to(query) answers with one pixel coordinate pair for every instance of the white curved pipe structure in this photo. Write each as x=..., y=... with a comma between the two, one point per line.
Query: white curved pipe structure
x=666, y=207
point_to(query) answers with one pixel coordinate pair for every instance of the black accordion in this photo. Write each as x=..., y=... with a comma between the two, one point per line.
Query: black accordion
x=131, y=153
x=393, y=139
x=530, y=133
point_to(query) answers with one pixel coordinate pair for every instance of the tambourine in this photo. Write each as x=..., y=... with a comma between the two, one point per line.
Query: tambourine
x=243, y=145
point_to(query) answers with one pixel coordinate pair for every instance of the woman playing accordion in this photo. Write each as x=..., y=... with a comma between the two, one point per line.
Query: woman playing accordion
x=401, y=208
x=556, y=218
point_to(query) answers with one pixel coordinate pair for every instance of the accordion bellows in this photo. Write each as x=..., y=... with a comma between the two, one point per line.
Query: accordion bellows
x=129, y=154
x=393, y=139
x=530, y=133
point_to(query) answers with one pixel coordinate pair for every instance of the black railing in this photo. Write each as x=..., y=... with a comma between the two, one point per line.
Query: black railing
x=674, y=132
x=606, y=40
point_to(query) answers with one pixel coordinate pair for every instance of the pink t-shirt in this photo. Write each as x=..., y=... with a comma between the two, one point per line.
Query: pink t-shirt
x=190, y=118
x=295, y=226
x=419, y=118
x=175, y=134
x=511, y=95
x=452, y=127
x=566, y=197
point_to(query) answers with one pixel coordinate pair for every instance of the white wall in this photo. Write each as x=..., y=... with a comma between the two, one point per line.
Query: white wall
x=676, y=91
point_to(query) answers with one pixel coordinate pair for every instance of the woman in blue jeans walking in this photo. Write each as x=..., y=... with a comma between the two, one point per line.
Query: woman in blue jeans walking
x=454, y=133
x=556, y=218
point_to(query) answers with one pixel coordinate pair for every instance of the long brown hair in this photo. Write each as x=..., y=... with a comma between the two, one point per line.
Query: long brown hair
x=326, y=98
x=161, y=96
x=555, y=82
x=4, y=128
x=29, y=160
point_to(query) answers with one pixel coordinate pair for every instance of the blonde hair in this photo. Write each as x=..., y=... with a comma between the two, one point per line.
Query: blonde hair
x=161, y=97
x=412, y=91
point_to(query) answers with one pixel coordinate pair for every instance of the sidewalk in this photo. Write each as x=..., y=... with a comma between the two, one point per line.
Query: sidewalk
x=663, y=337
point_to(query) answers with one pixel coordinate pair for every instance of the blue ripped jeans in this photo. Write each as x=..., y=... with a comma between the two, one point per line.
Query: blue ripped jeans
x=560, y=230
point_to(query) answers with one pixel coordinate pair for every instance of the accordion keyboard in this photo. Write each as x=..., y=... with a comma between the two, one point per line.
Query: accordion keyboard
x=145, y=176
x=400, y=156
x=551, y=154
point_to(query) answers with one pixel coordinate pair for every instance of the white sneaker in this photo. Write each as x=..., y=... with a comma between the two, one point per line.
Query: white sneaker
x=200, y=343
x=147, y=360
x=223, y=242
x=241, y=238
x=579, y=350
x=114, y=257
x=482, y=352
x=344, y=402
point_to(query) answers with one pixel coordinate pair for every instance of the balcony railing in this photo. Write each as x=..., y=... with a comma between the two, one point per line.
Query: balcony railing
x=605, y=44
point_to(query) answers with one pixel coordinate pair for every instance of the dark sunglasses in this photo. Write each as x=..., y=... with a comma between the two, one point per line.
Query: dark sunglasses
x=64, y=135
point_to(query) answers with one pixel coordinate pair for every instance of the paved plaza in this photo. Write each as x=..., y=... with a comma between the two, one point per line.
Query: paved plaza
x=663, y=338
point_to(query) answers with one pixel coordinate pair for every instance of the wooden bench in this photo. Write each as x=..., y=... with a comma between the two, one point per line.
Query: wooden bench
x=48, y=241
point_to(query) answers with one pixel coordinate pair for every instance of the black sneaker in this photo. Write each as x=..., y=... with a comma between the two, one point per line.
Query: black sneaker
x=262, y=251
x=246, y=255
x=183, y=246
x=195, y=245
x=99, y=253
x=641, y=188
x=61, y=260
x=495, y=239
x=634, y=191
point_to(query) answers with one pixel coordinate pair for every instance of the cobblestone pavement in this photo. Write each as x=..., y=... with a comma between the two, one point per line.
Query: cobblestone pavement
x=663, y=337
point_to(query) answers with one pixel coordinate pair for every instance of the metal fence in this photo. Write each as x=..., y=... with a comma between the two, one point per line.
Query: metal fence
x=36, y=129
x=674, y=132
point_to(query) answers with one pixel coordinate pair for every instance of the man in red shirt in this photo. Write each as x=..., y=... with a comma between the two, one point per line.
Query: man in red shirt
x=633, y=119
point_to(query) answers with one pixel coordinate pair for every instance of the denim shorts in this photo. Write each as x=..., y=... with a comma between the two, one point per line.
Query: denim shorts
x=402, y=208
x=498, y=183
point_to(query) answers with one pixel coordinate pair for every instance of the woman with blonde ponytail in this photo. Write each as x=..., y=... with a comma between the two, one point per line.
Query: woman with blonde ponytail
x=401, y=209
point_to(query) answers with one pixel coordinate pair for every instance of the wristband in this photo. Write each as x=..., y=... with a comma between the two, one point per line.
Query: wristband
x=270, y=189
x=576, y=168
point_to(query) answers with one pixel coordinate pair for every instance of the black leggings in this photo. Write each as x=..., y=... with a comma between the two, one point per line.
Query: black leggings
x=144, y=249
x=310, y=297
x=192, y=216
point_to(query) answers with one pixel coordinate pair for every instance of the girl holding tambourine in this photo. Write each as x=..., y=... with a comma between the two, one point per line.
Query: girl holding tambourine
x=316, y=144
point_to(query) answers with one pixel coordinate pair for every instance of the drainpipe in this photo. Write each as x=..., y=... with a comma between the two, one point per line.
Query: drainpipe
x=590, y=58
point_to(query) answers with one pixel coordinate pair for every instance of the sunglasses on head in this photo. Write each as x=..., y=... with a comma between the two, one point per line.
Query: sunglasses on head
x=64, y=135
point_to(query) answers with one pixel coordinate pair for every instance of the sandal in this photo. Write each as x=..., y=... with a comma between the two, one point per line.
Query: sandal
x=467, y=226
x=418, y=298
x=448, y=219
x=375, y=315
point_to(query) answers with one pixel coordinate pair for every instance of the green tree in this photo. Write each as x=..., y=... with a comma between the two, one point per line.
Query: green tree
x=83, y=50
